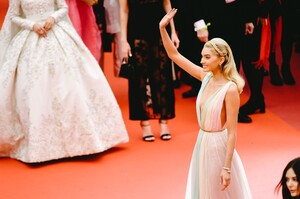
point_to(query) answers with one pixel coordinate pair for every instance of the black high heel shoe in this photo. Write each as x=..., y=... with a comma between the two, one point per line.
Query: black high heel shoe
x=275, y=77
x=251, y=107
x=287, y=75
x=243, y=118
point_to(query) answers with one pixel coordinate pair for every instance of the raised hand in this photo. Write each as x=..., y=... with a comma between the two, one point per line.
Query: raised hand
x=167, y=18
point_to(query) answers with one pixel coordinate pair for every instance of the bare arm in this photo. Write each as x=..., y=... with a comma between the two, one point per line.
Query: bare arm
x=232, y=103
x=193, y=69
x=124, y=11
x=167, y=7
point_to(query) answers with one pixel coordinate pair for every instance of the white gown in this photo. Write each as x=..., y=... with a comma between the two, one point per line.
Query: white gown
x=210, y=153
x=55, y=101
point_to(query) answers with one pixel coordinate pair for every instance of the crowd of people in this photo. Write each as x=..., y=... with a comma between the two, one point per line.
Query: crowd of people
x=59, y=104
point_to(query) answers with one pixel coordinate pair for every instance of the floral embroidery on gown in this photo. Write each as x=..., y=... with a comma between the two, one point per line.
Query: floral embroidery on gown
x=55, y=100
x=209, y=154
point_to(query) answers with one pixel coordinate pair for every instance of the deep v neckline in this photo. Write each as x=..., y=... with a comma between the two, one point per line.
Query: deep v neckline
x=203, y=101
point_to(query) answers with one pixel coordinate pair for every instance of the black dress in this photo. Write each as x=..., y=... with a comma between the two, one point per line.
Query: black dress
x=151, y=93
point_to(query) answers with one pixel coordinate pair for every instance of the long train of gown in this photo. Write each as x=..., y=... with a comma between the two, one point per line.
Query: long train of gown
x=209, y=154
x=55, y=100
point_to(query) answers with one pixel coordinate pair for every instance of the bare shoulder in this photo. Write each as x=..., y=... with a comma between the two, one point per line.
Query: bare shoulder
x=232, y=97
x=232, y=91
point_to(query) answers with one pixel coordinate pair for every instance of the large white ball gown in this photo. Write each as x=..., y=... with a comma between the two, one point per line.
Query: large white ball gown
x=55, y=101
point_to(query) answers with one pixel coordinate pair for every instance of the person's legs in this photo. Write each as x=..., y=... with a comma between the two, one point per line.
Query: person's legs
x=275, y=77
x=147, y=131
x=164, y=130
x=287, y=45
x=255, y=78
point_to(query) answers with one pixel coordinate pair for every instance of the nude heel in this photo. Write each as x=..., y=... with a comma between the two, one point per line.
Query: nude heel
x=147, y=132
x=164, y=130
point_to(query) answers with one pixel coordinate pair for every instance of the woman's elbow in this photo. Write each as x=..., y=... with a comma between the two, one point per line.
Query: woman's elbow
x=172, y=54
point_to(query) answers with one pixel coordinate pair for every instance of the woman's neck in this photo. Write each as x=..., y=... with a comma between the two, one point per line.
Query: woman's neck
x=218, y=78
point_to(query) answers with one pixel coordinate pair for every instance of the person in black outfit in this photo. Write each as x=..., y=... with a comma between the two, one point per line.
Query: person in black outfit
x=290, y=12
x=151, y=92
x=252, y=63
x=230, y=20
x=190, y=45
x=274, y=16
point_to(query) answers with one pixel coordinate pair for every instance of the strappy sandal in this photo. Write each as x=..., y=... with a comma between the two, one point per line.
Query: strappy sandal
x=149, y=138
x=164, y=133
x=166, y=136
x=147, y=133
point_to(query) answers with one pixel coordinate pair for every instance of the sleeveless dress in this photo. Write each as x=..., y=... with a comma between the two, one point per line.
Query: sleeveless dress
x=209, y=154
x=55, y=100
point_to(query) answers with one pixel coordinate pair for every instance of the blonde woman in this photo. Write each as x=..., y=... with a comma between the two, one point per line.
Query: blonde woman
x=216, y=170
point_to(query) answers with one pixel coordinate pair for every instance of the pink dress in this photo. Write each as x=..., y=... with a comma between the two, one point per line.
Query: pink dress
x=209, y=154
x=84, y=21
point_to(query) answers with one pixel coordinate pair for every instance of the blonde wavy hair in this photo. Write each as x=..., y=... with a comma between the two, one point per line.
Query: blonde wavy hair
x=221, y=48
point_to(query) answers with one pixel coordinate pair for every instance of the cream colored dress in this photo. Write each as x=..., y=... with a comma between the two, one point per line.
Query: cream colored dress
x=55, y=100
x=209, y=154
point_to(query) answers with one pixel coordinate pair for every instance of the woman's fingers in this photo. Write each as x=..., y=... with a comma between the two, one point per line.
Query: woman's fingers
x=126, y=52
x=167, y=18
x=171, y=14
x=225, y=181
x=42, y=32
x=49, y=23
x=47, y=26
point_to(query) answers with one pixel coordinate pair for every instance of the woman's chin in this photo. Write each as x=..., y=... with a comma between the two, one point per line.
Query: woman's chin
x=206, y=70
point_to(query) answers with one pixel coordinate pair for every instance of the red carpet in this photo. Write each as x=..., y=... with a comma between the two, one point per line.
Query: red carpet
x=139, y=170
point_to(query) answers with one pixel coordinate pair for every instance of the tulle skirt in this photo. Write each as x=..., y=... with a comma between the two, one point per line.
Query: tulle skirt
x=208, y=158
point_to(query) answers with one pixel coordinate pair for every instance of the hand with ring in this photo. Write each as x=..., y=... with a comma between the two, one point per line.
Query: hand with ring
x=49, y=23
x=40, y=30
